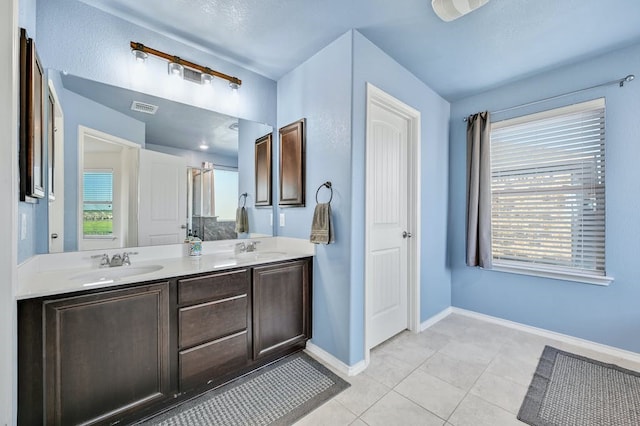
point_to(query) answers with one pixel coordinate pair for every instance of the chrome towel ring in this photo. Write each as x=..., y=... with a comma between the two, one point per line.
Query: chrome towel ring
x=327, y=185
x=243, y=197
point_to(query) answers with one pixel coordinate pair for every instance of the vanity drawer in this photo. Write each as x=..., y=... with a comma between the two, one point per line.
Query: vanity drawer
x=214, y=286
x=212, y=320
x=214, y=359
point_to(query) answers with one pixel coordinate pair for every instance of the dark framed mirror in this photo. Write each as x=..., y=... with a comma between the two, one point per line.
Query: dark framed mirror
x=292, y=164
x=31, y=121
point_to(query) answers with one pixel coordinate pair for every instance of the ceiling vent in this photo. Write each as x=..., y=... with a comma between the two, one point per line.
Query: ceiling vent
x=448, y=10
x=144, y=107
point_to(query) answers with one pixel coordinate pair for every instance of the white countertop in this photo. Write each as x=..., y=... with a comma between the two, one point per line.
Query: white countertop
x=53, y=274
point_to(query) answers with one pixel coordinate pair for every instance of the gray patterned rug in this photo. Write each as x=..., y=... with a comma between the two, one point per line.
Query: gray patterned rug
x=278, y=394
x=569, y=389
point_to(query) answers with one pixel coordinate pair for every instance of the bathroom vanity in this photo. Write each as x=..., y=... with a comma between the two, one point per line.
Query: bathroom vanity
x=124, y=351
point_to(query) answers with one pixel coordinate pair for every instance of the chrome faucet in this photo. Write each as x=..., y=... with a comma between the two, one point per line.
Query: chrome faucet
x=104, y=259
x=251, y=246
x=116, y=259
x=240, y=247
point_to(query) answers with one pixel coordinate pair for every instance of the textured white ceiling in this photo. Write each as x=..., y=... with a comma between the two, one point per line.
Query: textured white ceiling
x=501, y=42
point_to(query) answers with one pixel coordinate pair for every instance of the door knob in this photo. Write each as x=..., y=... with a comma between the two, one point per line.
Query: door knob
x=406, y=234
x=54, y=236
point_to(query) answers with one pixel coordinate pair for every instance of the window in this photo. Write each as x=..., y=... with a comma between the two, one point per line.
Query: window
x=226, y=194
x=97, y=208
x=548, y=192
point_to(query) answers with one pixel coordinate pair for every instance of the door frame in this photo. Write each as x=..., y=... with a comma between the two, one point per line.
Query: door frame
x=58, y=151
x=83, y=133
x=379, y=97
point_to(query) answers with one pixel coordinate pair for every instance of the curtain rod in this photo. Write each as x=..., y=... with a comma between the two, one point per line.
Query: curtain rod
x=620, y=82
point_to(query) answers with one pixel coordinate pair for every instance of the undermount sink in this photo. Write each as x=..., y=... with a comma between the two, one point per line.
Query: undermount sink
x=110, y=274
x=260, y=255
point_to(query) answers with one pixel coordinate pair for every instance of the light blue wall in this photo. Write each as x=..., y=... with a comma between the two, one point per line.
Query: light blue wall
x=329, y=91
x=27, y=16
x=80, y=111
x=92, y=44
x=374, y=66
x=320, y=91
x=607, y=315
x=248, y=132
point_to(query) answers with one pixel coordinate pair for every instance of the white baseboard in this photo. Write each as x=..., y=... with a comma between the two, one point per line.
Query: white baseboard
x=576, y=341
x=335, y=363
x=436, y=318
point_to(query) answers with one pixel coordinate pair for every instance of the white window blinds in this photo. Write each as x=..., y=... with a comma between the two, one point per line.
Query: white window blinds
x=548, y=190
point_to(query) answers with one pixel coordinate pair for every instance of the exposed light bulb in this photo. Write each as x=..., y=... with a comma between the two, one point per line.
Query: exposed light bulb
x=139, y=55
x=234, y=86
x=175, y=69
x=206, y=78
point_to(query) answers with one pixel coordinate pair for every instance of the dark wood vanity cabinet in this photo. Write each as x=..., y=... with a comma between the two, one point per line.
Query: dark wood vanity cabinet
x=281, y=307
x=105, y=355
x=119, y=355
x=214, y=326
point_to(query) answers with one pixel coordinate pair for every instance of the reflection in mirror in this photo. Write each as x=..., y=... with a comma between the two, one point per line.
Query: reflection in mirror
x=211, y=202
x=109, y=131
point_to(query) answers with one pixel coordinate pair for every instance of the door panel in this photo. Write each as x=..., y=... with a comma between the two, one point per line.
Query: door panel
x=387, y=159
x=163, y=198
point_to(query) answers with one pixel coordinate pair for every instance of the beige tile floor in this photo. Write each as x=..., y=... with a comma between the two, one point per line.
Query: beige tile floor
x=461, y=371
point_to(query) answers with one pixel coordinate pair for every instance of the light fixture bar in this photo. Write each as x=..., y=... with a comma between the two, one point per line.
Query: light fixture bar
x=171, y=58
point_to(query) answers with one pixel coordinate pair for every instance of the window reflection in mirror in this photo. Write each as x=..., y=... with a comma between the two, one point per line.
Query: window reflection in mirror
x=97, y=207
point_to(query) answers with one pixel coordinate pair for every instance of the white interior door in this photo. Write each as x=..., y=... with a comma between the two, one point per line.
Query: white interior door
x=163, y=198
x=387, y=222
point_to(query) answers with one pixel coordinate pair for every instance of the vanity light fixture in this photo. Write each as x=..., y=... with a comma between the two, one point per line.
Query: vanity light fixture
x=177, y=65
x=139, y=54
x=175, y=68
x=206, y=78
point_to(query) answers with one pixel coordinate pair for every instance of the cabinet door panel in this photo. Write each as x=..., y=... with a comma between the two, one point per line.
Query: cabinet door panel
x=212, y=360
x=212, y=320
x=280, y=306
x=106, y=353
x=215, y=286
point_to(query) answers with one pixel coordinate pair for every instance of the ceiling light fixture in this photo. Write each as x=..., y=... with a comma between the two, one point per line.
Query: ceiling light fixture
x=448, y=10
x=204, y=146
x=177, y=65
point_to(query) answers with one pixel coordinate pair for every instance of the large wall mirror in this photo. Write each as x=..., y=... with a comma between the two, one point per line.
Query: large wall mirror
x=132, y=169
x=141, y=170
